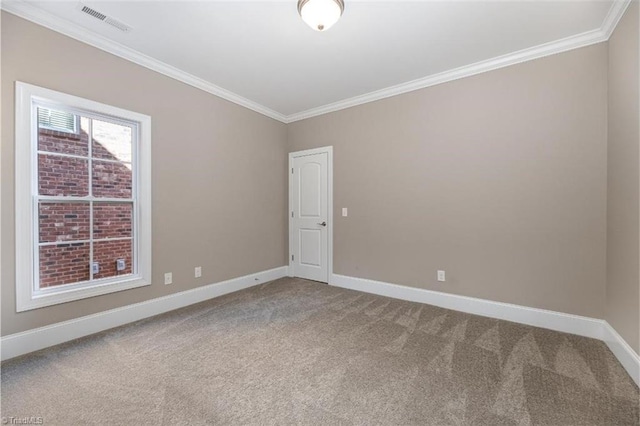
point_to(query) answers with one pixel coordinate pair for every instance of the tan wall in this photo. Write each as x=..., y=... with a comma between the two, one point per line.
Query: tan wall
x=219, y=170
x=623, y=265
x=499, y=179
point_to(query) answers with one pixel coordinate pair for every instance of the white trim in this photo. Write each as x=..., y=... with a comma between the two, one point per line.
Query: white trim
x=629, y=359
x=552, y=320
x=45, y=19
x=536, y=52
x=577, y=41
x=27, y=296
x=41, y=17
x=331, y=216
x=32, y=340
x=568, y=323
x=617, y=10
x=23, y=222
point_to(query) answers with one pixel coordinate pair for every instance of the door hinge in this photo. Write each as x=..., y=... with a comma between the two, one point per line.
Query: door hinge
x=291, y=214
x=292, y=170
x=292, y=258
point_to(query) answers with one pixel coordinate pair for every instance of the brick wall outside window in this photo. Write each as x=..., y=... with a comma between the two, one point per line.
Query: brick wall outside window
x=63, y=221
x=63, y=142
x=64, y=264
x=106, y=253
x=60, y=176
x=111, y=180
x=64, y=258
x=111, y=220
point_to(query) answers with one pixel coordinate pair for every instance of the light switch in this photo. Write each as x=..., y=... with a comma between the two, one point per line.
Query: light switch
x=344, y=212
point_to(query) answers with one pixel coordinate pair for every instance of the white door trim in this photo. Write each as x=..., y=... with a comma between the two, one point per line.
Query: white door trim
x=329, y=151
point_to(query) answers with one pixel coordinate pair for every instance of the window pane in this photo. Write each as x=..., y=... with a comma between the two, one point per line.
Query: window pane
x=65, y=142
x=111, y=180
x=111, y=141
x=63, y=176
x=63, y=221
x=112, y=220
x=107, y=254
x=64, y=264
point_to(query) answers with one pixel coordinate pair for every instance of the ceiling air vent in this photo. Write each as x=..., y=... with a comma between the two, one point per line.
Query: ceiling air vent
x=104, y=18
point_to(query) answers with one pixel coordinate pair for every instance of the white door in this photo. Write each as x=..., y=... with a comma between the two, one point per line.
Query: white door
x=309, y=230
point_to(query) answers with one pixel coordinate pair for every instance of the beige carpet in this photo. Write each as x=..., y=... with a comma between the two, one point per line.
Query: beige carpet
x=300, y=352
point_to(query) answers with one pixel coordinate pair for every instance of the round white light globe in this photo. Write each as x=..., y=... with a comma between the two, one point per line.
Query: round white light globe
x=320, y=14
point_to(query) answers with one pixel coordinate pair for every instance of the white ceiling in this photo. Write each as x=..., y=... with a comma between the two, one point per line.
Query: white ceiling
x=262, y=51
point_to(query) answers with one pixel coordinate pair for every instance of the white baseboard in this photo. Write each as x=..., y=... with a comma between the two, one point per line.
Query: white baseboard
x=32, y=340
x=567, y=323
x=574, y=324
x=629, y=359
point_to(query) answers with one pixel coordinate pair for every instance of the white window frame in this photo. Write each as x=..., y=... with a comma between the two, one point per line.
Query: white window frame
x=28, y=294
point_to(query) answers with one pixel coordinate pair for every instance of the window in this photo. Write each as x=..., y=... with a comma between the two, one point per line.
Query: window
x=83, y=192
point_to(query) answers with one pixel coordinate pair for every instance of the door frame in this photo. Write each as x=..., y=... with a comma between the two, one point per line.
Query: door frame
x=330, y=216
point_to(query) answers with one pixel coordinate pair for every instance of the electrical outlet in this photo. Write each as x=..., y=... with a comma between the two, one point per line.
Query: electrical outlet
x=95, y=268
x=441, y=276
x=120, y=265
x=168, y=278
x=198, y=271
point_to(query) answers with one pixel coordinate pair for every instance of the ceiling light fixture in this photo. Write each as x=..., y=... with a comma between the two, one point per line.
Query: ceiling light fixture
x=320, y=14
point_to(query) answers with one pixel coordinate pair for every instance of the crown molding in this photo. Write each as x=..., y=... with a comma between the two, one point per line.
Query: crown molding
x=41, y=17
x=588, y=38
x=35, y=14
x=613, y=17
x=540, y=51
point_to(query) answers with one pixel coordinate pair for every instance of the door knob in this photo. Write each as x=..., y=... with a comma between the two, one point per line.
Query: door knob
x=323, y=224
